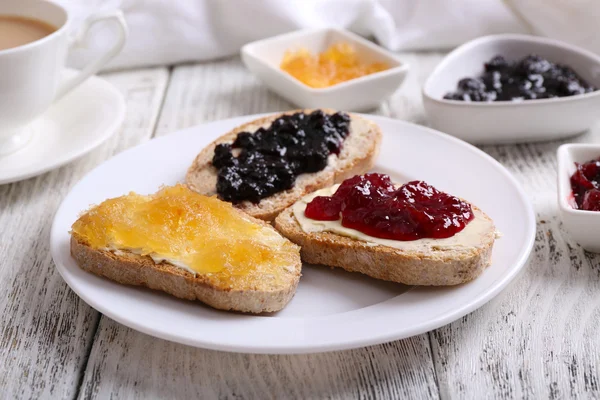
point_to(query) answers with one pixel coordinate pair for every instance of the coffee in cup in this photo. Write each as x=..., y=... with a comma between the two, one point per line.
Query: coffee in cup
x=35, y=37
x=17, y=31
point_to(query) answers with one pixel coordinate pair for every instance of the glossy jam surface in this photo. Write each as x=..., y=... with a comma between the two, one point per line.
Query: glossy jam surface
x=529, y=78
x=372, y=205
x=339, y=63
x=585, y=183
x=202, y=233
x=259, y=164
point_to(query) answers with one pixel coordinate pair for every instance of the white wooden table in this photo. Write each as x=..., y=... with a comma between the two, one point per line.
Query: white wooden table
x=539, y=339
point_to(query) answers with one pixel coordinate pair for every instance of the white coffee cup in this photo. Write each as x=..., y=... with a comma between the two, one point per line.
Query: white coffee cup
x=31, y=75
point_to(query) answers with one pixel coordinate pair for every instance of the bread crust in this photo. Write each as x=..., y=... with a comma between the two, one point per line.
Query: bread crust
x=136, y=270
x=434, y=268
x=357, y=156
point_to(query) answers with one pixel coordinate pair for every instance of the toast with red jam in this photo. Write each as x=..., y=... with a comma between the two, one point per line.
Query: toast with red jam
x=412, y=234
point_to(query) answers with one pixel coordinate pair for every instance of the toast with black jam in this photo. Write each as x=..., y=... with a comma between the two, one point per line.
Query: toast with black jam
x=266, y=165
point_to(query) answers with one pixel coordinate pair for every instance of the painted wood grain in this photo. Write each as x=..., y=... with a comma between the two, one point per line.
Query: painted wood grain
x=127, y=364
x=540, y=339
x=46, y=331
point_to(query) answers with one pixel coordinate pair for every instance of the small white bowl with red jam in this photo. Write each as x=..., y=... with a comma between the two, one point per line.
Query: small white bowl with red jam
x=326, y=68
x=579, y=193
x=514, y=88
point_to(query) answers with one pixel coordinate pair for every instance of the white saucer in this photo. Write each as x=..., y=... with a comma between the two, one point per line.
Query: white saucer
x=332, y=309
x=72, y=127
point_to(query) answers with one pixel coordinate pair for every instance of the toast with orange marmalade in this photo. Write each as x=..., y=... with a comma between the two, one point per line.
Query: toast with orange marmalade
x=190, y=246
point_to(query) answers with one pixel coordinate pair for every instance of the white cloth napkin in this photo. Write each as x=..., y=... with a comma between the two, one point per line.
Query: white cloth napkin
x=168, y=31
x=572, y=21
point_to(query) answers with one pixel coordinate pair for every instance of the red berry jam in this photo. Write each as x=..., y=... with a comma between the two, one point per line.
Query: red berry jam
x=372, y=205
x=585, y=183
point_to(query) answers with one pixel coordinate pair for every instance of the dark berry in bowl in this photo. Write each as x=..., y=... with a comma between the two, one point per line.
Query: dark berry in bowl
x=497, y=63
x=529, y=78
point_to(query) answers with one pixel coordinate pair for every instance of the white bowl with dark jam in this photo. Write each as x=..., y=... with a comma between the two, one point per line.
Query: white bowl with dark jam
x=264, y=57
x=578, y=193
x=546, y=90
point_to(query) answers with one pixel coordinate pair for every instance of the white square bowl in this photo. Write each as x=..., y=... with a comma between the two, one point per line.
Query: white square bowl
x=507, y=121
x=583, y=226
x=264, y=57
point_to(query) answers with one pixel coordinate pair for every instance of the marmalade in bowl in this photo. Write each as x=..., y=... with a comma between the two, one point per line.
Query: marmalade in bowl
x=199, y=233
x=339, y=63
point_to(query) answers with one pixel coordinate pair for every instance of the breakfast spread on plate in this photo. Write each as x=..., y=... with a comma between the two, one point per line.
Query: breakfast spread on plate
x=338, y=63
x=266, y=165
x=411, y=233
x=529, y=78
x=304, y=169
x=190, y=246
x=585, y=183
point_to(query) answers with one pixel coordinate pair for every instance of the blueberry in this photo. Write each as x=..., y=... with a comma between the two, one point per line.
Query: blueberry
x=571, y=88
x=537, y=80
x=496, y=64
x=453, y=96
x=533, y=64
x=490, y=96
x=492, y=80
x=471, y=85
x=244, y=139
x=525, y=86
x=222, y=155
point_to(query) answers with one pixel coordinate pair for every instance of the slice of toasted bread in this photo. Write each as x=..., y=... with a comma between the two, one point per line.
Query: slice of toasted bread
x=132, y=269
x=435, y=267
x=358, y=155
x=254, y=293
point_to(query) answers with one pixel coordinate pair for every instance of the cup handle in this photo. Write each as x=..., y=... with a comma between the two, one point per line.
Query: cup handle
x=94, y=66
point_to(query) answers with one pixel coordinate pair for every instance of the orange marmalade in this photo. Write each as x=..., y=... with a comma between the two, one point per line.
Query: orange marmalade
x=339, y=63
x=198, y=233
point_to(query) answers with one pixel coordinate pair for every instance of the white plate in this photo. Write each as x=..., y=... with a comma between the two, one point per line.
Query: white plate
x=74, y=126
x=332, y=309
x=507, y=121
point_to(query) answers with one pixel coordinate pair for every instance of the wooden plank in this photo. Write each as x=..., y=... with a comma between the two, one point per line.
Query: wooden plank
x=212, y=91
x=46, y=331
x=540, y=338
x=127, y=364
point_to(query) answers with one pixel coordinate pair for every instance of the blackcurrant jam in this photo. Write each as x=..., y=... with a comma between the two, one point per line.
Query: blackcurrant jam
x=529, y=78
x=269, y=160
